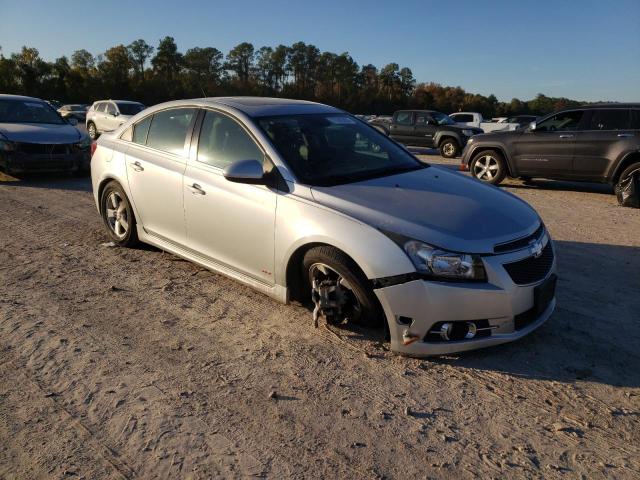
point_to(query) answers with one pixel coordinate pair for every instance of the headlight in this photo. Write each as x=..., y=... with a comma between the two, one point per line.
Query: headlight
x=444, y=264
x=468, y=133
x=84, y=143
x=6, y=146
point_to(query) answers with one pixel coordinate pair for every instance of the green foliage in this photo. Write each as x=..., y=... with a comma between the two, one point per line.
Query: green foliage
x=297, y=71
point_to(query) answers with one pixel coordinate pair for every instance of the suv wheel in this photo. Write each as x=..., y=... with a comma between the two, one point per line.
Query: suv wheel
x=92, y=130
x=489, y=166
x=627, y=171
x=449, y=148
x=118, y=216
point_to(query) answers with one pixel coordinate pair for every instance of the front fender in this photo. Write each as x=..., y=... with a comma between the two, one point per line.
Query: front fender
x=300, y=222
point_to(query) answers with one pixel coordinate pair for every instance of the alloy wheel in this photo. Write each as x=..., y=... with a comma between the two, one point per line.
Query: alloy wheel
x=117, y=215
x=486, y=168
x=448, y=149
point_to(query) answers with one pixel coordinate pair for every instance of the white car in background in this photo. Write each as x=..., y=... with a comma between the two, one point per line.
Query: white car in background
x=475, y=119
x=107, y=115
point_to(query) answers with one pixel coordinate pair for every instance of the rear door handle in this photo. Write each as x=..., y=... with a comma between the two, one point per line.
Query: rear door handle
x=196, y=189
x=566, y=136
x=625, y=135
x=137, y=166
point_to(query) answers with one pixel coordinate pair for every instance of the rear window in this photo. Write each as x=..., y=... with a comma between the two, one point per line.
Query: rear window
x=100, y=107
x=614, y=119
x=168, y=130
x=462, y=117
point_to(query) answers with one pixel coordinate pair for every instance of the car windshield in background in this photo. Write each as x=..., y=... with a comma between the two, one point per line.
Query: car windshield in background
x=442, y=119
x=330, y=149
x=130, y=108
x=28, y=111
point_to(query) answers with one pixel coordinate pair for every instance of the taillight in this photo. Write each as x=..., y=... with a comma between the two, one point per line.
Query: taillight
x=94, y=145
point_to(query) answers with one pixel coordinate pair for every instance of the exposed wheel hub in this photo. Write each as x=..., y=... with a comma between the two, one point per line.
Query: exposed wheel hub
x=331, y=295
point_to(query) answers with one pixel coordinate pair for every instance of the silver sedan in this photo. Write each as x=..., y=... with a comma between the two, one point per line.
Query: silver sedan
x=304, y=201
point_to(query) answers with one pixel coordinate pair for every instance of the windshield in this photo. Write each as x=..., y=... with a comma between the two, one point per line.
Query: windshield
x=331, y=149
x=130, y=108
x=28, y=111
x=442, y=119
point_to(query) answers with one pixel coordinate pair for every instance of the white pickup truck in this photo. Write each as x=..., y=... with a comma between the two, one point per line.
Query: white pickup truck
x=474, y=119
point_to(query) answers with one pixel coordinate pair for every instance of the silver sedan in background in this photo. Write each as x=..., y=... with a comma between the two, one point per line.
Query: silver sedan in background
x=304, y=201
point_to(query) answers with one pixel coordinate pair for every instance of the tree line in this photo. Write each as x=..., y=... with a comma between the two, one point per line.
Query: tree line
x=149, y=74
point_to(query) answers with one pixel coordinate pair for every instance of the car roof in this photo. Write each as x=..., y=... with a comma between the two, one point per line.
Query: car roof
x=118, y=101
x=611, y=105
x=4, y=96
x=269, y=106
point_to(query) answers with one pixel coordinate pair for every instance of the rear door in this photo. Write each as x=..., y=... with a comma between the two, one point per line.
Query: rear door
x=156, y=161
x=402, y=128
x=548, y=150
x=425, y=129
x=607, y=133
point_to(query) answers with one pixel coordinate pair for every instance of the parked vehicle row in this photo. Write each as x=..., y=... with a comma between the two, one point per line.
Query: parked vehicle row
x=34, y=137
x=427, y=128
x=596, y=143
x=304, y=201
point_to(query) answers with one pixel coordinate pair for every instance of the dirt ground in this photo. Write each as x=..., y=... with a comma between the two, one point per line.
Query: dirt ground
x=120, y=363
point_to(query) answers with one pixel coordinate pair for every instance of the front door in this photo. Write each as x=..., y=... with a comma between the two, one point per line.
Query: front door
x=548, y=150
x=425, y=129
x=156, y=161
x=229, y=223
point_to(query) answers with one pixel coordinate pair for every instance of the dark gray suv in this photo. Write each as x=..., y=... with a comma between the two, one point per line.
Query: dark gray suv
x=594, y=143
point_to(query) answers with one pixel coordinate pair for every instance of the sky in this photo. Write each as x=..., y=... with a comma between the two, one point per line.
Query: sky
x=582, y=49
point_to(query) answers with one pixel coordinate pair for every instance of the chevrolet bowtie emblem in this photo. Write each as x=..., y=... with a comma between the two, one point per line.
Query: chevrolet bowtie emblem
x=535, y=247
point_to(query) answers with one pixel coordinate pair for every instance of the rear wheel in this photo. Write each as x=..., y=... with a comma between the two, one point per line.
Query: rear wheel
x=489, y=166
x=118, y=216
x=627, y=171
x=92, y=131
x=449, y=148
x=338, y=287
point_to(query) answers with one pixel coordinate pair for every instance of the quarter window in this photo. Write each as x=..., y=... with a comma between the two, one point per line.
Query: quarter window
x=403, y=118
x=223, y=141
x=168, y=130
x=140, y=131
x=561, y=122
x=617, y=119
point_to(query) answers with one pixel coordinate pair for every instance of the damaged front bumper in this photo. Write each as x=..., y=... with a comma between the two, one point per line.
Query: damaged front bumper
x=497, y=311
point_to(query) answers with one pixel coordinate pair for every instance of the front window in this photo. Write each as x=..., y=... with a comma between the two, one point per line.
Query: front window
x=561, y=122
x=332, y=149
x=28, y=111
x=129, y=108
x=442, y=119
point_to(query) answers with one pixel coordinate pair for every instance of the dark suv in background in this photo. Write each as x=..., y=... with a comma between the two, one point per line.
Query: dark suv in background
x=594, y=143
x=428, y=128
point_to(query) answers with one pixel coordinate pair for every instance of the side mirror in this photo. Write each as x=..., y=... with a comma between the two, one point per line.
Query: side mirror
x=116, y=113
x=72, y=120
x=245, y=171
x=532, y=126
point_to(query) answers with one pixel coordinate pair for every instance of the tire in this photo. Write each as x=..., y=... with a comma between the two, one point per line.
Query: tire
x=627, y=171
x=488, y=166
x=449, y=147
x=122, y=214
x=369, y=311
x=92, y=131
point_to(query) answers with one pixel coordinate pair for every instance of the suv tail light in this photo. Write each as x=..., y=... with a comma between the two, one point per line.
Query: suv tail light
x=94, y=145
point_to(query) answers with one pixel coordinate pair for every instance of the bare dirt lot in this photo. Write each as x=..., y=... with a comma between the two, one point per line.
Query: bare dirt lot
x=120, y=363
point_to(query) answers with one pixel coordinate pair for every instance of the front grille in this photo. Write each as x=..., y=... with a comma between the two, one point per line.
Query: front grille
x=519, y=243
x=43, y=148
x=531, y=269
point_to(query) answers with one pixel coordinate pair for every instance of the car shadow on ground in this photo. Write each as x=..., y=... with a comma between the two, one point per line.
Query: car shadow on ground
x=593, y=336
x=54, y=181
x=558, y=185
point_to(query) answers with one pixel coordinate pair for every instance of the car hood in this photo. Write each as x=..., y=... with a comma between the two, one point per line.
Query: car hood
x=40, y=132
x=436, y=206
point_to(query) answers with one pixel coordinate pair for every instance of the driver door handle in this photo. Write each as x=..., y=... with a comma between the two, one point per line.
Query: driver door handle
x=137, y=166
x=566, y=136
x=196, y=189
